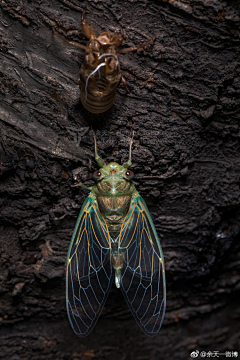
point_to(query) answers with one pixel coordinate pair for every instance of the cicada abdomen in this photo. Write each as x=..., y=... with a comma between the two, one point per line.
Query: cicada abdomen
x=100, y=74
x=99, y=77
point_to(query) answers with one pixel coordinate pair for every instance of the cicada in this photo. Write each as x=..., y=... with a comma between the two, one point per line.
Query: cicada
x=100, y=74
x=115, y=237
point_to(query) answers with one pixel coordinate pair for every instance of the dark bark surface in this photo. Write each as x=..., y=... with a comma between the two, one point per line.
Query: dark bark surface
x=183, y=104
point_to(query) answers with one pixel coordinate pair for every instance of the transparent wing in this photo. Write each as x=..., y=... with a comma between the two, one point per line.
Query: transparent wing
x=143, y=274
x=89, y=270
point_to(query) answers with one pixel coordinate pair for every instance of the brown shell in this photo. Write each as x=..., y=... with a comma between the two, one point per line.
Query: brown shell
x=100, y=74
x=99, y=95
x=97, y=89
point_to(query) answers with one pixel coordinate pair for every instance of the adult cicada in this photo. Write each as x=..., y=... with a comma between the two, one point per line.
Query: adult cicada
x=114, y=237
x=100, y=74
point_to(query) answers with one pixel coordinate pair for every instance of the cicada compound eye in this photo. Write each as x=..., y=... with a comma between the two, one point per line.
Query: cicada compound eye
x=129, y=174
x=97, y=174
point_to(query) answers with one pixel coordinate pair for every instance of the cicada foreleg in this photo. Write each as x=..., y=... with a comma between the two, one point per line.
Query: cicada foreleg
x=86, y=29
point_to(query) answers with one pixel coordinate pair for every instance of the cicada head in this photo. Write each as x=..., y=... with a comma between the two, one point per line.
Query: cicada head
x=113, y=178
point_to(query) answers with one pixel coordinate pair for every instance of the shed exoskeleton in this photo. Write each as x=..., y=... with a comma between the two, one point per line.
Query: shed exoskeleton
x=100, y=73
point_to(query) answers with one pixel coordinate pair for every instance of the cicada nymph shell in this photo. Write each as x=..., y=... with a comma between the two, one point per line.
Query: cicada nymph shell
x=100, y=73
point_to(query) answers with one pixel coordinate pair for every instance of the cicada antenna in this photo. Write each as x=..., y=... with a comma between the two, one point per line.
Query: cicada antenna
x=129, y=162
x=98, y=159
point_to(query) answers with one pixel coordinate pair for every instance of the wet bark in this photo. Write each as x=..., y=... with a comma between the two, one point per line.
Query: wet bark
x=183, y=104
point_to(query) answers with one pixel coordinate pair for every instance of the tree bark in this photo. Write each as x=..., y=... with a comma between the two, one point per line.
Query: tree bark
x=183, y=105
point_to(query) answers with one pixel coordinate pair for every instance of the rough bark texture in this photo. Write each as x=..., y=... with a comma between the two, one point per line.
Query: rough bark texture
x=183, y=104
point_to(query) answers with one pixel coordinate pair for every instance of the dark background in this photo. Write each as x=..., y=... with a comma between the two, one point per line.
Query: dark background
x=183, y=104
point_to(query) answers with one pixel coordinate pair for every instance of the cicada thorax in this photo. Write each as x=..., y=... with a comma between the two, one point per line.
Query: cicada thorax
x=114, y=210
x=100, y=74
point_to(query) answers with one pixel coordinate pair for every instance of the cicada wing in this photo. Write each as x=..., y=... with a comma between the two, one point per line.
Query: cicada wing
x=89, y=269
x=143, y=273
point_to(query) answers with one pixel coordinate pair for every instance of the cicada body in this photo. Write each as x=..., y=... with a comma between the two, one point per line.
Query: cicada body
x=115, y=238
x=100, y=73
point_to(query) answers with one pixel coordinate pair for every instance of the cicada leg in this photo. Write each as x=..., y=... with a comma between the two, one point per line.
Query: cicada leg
x=124, y=81
x=86, y=29
x=134, y=48
x=85, y=187
x=73, y=43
